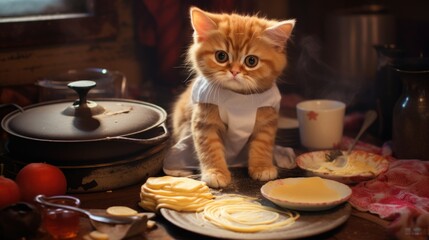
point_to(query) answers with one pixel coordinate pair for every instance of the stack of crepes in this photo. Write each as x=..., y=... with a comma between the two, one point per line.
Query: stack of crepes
x=177, y=193
x=401, y=194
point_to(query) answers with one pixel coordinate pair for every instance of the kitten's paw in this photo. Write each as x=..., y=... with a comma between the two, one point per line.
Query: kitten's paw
x=263, y=173
x=215, y=178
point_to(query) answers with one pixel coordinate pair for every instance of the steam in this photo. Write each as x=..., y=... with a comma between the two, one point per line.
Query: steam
x=317, y=79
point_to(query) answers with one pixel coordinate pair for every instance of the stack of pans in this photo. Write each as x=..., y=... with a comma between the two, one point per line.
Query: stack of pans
x=288, y=132
x=100, y=145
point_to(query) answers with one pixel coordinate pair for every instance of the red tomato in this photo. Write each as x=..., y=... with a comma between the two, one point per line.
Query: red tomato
x=40, y=178
x=9, y=192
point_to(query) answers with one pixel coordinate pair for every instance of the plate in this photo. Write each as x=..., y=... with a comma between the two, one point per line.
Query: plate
x=309, y=224
x=287, y=123
x=362, y=166
x=324, y=193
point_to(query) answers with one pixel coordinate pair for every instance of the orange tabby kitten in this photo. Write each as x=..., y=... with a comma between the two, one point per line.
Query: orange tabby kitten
x=233, y=56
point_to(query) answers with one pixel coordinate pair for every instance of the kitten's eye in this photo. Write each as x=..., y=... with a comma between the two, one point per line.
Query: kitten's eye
x=221, y=56
x=251, y=61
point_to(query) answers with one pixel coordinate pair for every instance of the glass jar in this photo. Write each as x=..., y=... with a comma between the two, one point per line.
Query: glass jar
x=411, y=112
x=60, y=223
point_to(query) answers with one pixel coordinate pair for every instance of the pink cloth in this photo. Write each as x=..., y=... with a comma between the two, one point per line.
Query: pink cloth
x=404, y=187
x=400, y=195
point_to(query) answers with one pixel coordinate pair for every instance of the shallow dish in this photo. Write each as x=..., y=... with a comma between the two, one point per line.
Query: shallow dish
x=361, y=166
x=287, y=123
x=306, y=193
x=307, y=225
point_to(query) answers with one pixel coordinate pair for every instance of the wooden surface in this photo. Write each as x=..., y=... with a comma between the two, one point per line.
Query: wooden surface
x=359, y=225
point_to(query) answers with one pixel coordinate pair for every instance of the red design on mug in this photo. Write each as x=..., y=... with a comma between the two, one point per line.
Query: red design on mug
x=312, y=115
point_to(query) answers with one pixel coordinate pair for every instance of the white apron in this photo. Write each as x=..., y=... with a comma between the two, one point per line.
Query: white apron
x=238, y=112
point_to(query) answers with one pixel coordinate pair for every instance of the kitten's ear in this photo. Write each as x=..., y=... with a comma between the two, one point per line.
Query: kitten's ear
x=201, y=23
x=280, y=32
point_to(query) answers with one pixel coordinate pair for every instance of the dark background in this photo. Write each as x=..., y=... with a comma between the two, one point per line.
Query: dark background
x=130, y=35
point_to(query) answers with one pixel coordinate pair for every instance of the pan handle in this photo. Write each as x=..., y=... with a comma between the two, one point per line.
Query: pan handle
x=148, y=141
x=13, y=105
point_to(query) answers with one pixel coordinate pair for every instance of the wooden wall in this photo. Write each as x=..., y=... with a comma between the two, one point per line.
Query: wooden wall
x=25, y=65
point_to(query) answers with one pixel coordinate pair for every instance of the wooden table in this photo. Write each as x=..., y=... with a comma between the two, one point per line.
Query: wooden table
x=359, y=226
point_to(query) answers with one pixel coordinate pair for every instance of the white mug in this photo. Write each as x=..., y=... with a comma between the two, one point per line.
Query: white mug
x=321, y=123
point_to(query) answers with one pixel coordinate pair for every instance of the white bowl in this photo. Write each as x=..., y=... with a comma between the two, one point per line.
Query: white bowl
x=312, y=201
x=362, y=166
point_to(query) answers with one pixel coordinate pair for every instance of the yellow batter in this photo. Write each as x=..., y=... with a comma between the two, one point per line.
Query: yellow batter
x=307, y=190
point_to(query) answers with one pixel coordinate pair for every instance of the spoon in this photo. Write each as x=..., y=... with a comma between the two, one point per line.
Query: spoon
x=110, y=220
x=341, y=159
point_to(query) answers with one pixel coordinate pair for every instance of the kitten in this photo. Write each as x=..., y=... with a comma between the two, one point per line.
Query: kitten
x=233, y=102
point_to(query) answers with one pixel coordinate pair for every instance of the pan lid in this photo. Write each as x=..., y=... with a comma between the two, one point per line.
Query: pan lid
x=83, y=120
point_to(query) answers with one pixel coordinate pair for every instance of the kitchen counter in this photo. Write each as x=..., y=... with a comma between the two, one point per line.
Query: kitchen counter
x=360, y=225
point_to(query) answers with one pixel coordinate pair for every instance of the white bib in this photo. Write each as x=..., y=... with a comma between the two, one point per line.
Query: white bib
x=237, y=111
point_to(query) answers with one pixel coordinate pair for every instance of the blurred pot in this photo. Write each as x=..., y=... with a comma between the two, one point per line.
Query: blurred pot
x=350, y=37
x=110, y=84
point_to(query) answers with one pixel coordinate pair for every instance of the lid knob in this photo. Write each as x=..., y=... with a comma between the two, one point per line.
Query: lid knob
x=82, y=107
x=82, y=88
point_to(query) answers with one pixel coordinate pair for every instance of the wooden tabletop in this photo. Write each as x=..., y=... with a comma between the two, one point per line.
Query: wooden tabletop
x=359, y=226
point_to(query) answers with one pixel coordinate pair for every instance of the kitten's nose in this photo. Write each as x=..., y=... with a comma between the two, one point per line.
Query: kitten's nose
x=234, y=73
x=235, y=70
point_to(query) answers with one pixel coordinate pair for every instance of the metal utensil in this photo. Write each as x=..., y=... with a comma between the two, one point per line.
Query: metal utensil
x=339, y=158
x=103, y=219
x=122, y=231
